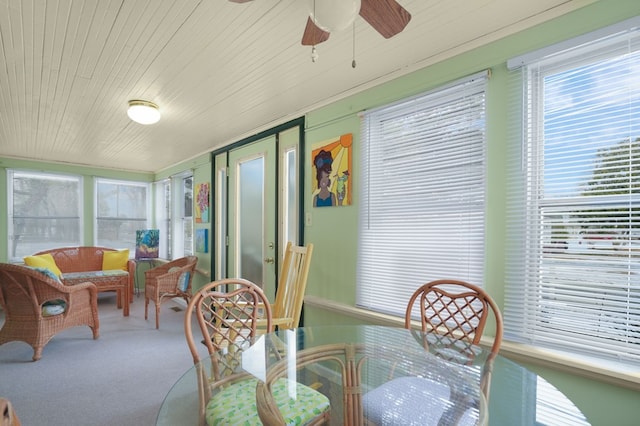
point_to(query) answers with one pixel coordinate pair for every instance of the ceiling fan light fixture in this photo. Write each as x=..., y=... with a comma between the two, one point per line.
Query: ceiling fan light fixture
x=143, y=112
x=333, y=15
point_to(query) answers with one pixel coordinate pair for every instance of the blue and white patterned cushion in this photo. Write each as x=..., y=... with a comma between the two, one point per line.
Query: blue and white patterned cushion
x=183, y=281
x=53, y=307
x=47, y=272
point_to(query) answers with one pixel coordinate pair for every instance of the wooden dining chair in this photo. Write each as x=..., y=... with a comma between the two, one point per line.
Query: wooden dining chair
x=227, y=313
x=292, y=284
x=457, y=312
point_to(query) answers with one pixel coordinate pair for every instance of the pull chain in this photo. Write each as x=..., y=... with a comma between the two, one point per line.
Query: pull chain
x=353, y=62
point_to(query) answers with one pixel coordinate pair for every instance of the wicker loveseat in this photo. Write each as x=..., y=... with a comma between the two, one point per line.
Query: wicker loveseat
x=82, y=264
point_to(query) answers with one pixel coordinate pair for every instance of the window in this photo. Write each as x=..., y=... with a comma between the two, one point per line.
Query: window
x=122, y=208
x=44, y=212
x=174, y=215
x=186, y=216
x=422, y=201
x=573, y=273
x=163, y=217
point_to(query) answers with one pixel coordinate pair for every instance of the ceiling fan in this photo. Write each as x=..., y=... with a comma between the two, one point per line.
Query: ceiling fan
x=385, y=16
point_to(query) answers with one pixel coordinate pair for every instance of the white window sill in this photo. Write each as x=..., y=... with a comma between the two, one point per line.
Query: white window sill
x=515, y=351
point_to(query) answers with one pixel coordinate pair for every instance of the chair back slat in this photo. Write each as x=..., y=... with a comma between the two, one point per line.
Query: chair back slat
x=292, y=284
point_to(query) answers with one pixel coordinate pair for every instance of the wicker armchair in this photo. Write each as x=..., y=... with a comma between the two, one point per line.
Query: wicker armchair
x=26, y=296
x=164, y=282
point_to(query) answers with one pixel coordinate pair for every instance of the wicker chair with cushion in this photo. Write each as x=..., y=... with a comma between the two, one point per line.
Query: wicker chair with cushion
x=458, y=312
x=37, y=306
x=226, y=312
x=164, y=282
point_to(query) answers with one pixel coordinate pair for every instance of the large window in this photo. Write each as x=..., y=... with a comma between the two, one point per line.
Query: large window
x=422, y=205
x=163, y=216
x=573, y=276
x=174, y=215
x=122, y=208
x=44, y=212
x=183, y=245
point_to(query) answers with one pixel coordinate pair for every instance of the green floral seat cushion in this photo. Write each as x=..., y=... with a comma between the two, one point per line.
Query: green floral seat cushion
x=236, y=404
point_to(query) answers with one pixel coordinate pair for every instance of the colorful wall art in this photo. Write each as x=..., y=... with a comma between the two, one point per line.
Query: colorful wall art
x=147, y=243
x=332, y=179
x=202, y=240
x=202, y=203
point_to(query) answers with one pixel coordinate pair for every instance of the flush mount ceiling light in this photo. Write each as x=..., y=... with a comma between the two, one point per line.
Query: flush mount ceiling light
x=143, y=112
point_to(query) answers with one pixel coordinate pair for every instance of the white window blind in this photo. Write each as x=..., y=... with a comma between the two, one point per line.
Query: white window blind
x=122, y=208
x=44, y=212
x=422, y=206
x=573, y=275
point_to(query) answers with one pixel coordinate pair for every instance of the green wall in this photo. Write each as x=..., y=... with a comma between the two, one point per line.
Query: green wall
x=334, y=231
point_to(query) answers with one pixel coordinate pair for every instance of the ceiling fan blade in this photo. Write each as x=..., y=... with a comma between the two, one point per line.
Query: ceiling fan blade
x=385, y=16
x=313, y=35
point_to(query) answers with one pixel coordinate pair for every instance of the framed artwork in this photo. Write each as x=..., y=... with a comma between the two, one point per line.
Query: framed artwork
x=202, y=240
x=147, y=243
x=202, y=202
x=332, y=178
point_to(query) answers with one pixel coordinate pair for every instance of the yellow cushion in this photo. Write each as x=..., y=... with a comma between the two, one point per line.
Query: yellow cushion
x=115, y=260
x=43, y=261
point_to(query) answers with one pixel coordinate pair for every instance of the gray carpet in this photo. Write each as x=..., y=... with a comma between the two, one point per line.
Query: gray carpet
x=119, y=379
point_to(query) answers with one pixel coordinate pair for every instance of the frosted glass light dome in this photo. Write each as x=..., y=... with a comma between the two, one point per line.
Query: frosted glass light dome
x=143, y=112
x=333, y=15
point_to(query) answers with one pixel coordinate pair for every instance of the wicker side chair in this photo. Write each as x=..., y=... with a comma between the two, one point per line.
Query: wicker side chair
x=226, y=312
x=164, y=282
x=38, y=306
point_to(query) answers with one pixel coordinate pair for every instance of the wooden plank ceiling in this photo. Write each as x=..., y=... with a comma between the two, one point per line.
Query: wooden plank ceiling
x=220, y=71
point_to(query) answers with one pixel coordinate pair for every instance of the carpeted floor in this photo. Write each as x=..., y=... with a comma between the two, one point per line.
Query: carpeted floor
x=119, y=379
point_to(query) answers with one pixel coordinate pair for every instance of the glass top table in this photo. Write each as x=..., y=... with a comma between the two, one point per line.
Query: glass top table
x=484, y=389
